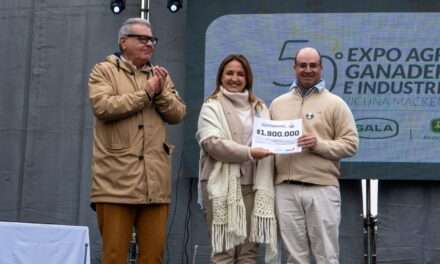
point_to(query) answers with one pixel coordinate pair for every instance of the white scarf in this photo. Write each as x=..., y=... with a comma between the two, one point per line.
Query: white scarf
x=224, y=189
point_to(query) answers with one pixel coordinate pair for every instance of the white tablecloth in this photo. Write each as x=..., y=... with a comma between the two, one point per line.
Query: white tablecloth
x=22, y=243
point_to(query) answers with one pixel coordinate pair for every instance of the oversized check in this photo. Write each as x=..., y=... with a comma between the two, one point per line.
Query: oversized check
x=278, y=136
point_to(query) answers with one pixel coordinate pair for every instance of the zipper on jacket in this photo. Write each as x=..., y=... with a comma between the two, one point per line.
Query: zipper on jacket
x=307, y=94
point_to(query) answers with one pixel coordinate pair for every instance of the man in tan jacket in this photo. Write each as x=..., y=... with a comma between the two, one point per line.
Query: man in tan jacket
x=308, y=200
x=131, y=183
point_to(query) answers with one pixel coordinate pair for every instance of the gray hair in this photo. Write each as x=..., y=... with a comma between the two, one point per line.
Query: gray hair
x=126, y=26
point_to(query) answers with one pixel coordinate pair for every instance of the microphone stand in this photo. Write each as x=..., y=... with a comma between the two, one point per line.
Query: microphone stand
x=370, y=225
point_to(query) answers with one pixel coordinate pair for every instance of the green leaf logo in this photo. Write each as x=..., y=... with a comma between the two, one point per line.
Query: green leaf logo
x=435, y=125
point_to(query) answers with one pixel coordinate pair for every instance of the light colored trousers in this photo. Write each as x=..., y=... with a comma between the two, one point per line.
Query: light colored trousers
x=115, y=223
x=309, y=217
x=245, y=253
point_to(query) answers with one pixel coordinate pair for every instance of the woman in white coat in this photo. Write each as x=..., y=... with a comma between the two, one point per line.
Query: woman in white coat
x=236, y=180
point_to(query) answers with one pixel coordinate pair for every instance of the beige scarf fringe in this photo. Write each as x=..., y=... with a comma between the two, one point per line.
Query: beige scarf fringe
x=264, y=226
x=229, y=219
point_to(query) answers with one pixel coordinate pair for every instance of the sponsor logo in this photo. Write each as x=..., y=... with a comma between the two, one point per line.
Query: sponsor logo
x=309, y=116
x=377, y=128
x=435, y=125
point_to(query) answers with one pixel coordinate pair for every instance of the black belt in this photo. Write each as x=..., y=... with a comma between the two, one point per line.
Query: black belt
x=298, y=183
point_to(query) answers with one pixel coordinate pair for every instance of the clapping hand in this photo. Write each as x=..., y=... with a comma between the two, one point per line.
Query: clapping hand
x=155, y=83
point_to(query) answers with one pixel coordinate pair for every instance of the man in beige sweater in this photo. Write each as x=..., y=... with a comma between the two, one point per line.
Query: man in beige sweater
x=308, y=200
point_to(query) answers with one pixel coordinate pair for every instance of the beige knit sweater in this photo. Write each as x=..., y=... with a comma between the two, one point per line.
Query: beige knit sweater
x=328, y=117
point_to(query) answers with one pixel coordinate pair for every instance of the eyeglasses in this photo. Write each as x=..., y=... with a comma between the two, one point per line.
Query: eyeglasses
x=312, y=66
x=144, y=39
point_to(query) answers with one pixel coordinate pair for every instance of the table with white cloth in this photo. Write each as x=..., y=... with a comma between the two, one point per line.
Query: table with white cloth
x=24, y=243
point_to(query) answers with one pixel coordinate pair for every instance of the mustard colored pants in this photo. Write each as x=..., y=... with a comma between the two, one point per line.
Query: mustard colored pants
x=115, y=223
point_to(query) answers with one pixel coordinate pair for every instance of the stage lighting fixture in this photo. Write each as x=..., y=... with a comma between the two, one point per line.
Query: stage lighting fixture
x=117, y=6
x=174, y=5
